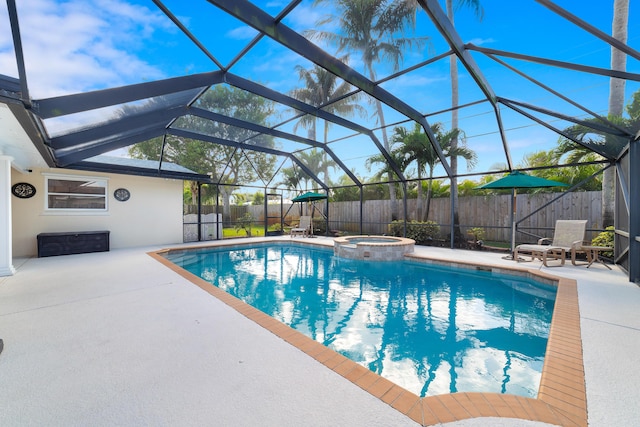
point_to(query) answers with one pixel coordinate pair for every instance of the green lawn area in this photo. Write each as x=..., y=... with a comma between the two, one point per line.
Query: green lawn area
x=232, y=232
x=256, y=231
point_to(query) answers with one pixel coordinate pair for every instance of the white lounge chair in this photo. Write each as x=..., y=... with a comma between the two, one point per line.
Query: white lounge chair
x=568, y=237
x=303, y=227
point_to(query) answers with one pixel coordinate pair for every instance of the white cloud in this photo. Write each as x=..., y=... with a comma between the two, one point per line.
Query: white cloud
x=285, y=65
x=276, y=4
x=304, y=17
x=242, y=33
x=480, y=42
x=412, y=80
x=77, y=45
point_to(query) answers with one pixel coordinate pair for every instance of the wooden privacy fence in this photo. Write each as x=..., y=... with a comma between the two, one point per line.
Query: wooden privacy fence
x=492, y=213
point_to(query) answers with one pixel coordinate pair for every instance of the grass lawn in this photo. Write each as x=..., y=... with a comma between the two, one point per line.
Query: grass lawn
x=232, y=232
x=497, y=246
x=228, y=233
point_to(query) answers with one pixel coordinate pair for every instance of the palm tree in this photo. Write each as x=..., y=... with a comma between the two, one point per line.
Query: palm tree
x=570, y=175
x=374, y=28
x=616, y=101
x=576, y=153
x=291, y=178
x=618, y=58
x=321, y=87
x=386, y=169
x=316, y=161
x=416, y=147
x=455, y=100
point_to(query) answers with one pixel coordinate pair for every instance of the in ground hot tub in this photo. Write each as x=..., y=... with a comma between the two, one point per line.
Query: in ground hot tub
x=374, y=248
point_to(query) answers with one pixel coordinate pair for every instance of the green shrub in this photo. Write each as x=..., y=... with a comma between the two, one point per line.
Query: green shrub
x=275, y=227
x=421, y=232
x=319, y=226
x=244, y=223
x=606, y=238
x=477, y=233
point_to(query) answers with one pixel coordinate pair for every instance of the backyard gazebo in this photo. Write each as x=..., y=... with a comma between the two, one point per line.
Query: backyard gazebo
x=242, y=91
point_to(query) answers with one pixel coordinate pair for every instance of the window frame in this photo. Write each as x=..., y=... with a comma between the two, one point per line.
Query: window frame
x=103, y=181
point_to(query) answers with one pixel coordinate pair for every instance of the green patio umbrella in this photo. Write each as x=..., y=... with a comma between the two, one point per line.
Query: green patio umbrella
x=513, y=181
x=309, y=196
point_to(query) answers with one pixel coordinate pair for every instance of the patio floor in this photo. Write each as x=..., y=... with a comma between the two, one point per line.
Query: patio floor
x=116, y=338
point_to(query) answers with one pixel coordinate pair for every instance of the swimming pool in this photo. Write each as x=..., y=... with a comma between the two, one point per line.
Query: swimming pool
x=429, y=329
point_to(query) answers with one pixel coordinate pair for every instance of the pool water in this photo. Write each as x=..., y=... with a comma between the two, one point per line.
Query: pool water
x=429, y=329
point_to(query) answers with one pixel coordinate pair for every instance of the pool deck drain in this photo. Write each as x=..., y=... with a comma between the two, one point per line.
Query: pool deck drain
x=561, y=396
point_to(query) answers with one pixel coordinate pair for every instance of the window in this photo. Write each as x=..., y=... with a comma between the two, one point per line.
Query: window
x=75, y=193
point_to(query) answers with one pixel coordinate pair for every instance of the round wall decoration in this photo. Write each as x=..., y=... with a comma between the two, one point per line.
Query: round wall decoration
x=23, y=190
x=121, y=194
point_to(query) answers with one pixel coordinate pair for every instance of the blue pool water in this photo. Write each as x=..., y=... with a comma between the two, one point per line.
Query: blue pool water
x=429, y=329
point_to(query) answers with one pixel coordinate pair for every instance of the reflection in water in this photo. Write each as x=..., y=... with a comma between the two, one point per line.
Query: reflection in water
x=429, y=329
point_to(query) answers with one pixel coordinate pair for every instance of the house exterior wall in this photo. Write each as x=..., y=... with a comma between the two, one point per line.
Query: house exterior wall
x=152, y=215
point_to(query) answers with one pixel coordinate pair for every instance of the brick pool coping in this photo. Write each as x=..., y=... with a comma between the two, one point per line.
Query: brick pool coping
x=561, y=396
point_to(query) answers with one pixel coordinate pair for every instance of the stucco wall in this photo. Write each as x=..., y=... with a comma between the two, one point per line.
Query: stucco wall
x=153, y=214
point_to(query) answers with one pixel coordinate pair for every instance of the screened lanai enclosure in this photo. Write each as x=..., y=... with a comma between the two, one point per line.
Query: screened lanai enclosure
x=395, y=111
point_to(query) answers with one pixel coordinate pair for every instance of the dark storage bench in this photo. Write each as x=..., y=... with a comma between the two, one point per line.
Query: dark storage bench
x=72, y=242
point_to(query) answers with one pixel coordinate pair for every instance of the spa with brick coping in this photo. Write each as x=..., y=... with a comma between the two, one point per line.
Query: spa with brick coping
x=373, y=248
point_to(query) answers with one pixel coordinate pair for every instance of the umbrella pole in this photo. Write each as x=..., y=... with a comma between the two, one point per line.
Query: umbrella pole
x=514, y=196
x=513, y=239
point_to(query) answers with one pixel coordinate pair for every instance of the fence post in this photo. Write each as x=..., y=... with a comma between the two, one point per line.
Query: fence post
x=199, y=211
x=404, y=202
x=361, y=208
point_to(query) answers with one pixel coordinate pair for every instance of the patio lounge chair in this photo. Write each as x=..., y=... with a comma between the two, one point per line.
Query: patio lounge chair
x=303, y=227
x=568, y=237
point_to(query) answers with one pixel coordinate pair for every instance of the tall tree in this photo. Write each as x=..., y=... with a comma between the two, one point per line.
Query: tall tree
x=570, y=175
x=375, y=29
x=575, y=153
x=292, y=178
x=455, y=100
x=346, y=191
x=316, y=161
x=616, y=101
x=320, y=88
x=226, y=165
x=385, y=167
x=415, y=147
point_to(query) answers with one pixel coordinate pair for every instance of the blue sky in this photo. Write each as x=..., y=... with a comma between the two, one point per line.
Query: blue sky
x=74, y=46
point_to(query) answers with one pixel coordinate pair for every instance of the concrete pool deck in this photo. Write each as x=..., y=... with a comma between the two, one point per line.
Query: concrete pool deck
x=116, y=338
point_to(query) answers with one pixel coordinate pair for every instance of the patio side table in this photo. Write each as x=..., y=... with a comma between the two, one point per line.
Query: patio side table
x=593, y=254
